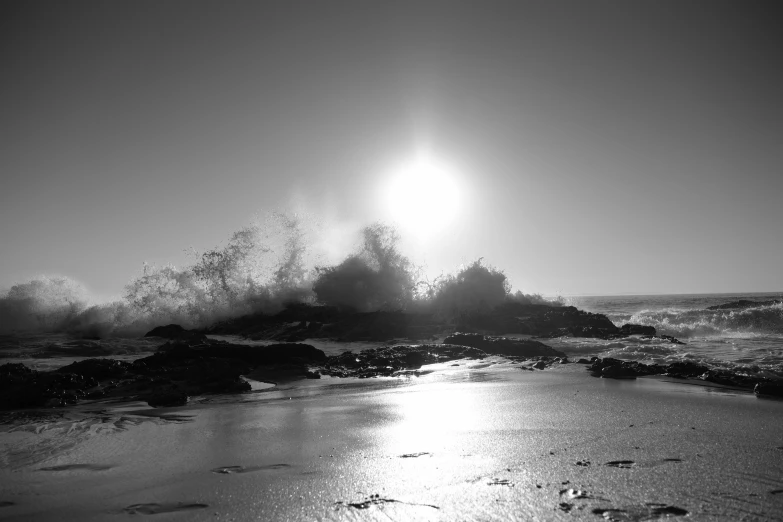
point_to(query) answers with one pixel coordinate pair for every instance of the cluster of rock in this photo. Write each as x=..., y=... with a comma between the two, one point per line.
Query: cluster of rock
x=392, y=360
x=300, y=322
x=503, y=345
x=190, y=364
x=618, y=369
x=554, y=321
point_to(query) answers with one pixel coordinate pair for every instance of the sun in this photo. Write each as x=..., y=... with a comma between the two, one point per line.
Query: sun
x=423, y=195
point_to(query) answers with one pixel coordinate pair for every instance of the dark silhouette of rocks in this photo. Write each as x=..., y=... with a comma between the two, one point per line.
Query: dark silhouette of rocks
x=190, y=363
x=503, y=345
x=300, y=322
x=618, y=369
x=392, y=360
x=178, y=369
x=769, y=388
x=637, y=329
x=98, y=369
x=175, y=332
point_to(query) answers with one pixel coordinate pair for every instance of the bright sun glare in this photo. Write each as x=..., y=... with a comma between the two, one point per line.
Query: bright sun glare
x=423, y=195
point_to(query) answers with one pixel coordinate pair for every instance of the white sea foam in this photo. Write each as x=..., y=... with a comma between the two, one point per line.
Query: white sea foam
x=751, y=321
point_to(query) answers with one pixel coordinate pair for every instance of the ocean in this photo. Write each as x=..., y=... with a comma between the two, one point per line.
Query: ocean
x=747, y=340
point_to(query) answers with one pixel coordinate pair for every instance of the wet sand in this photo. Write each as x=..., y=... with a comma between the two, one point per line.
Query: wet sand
x=483, y=440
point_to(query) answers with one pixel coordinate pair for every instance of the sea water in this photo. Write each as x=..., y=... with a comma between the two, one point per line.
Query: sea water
x=747, y=340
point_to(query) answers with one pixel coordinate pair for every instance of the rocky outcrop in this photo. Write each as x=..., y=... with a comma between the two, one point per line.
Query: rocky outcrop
x=175, y=332
x=389, y=361
x=178, y=369
x=637, y=329
x=769, y=388
x=541, y=321
x=22, y=387
x=503, y=345
x=301, y=322
x=618, y=369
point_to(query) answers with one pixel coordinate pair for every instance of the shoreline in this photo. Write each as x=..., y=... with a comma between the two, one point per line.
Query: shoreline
x=480, y=440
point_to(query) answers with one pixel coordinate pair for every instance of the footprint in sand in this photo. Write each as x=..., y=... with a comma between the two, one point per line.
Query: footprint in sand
x=638, y=513
x=227, y=470
x=565, y=506
x=414, y=455
x=626, y=464
x=377, y=500
x=500, y=482
x=77, y=467
x=155, y=509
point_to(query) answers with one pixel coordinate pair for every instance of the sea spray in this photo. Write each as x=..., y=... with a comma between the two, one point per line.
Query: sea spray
x=262, y=268
x=44, y=303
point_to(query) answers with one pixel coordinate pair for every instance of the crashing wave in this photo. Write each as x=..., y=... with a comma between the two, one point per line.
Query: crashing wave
x=762, y=319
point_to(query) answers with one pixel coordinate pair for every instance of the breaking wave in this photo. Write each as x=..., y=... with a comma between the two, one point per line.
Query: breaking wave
x=760, y=320
x=262, y=267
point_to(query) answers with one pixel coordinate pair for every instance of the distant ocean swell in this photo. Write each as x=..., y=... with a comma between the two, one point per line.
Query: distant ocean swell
x=761, y=320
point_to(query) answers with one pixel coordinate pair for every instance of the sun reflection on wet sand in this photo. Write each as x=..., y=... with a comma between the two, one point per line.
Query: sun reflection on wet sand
x=430, y=417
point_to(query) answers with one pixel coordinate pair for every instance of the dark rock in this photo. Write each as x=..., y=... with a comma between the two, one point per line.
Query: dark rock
x=618, y=371
x=615, y=368
x=171, y=331
x=414, y=359
x=718, y=377
x=312, y=375
x=300, y=322
x=637, y=329
x=308, y=313
x=14, y=372
x=670, y=339
x=191, y=365
x=233, y=384
x=540, y=365
x=686, y=368
x=542, y=321
x=271, y=354
x=175, y=332
x=502, y=345
x=97, y=368
x=389, y=361
x=767, y=388
x=168, y=398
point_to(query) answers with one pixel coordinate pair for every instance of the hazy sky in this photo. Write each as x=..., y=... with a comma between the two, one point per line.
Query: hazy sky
x=600, y=147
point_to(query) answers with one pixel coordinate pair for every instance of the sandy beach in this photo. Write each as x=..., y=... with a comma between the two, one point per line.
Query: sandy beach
x=465, y=440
